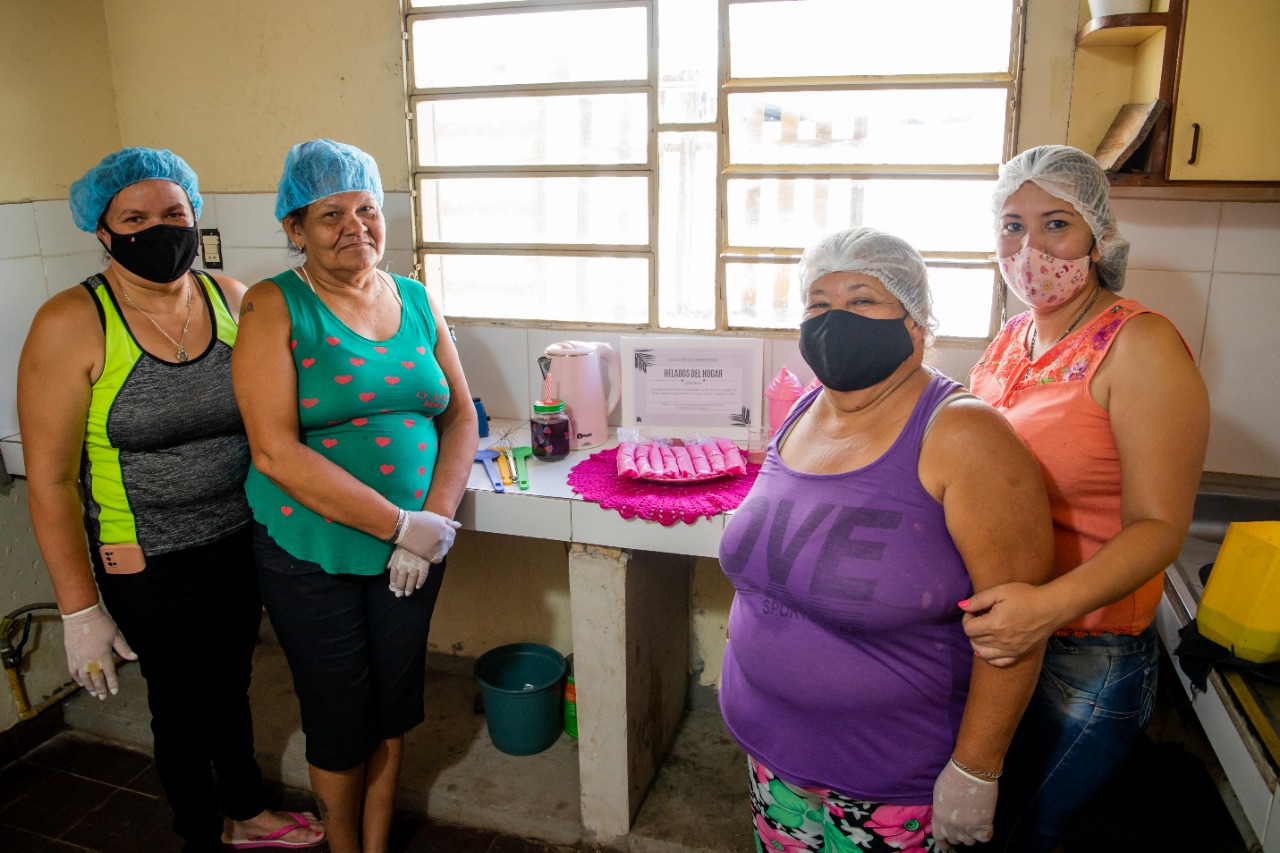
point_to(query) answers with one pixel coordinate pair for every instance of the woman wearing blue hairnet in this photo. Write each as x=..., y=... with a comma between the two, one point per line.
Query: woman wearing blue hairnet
x=131, y=434
x=363, y=436
x=1106, y=394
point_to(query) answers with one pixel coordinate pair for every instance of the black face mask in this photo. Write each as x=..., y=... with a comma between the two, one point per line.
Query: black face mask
x=160, y=253
x=849, y=352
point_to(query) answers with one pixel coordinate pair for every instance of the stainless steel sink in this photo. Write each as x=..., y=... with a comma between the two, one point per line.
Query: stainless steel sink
x=1215, y=510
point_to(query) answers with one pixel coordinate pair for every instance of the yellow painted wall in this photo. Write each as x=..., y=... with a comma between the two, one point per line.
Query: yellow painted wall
x=57, y=106
x=232, y=85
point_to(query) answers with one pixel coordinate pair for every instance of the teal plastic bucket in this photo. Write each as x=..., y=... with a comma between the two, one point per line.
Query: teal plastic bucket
x=523, y=699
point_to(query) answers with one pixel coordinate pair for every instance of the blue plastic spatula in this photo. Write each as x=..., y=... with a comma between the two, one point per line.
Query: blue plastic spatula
x=488, y=457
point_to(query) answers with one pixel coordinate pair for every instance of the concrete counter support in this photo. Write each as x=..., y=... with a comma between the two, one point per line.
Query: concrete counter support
x=631, y=654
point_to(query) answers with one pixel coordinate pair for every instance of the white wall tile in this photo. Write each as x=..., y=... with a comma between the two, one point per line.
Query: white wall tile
x=248, y=220
x=780, y=352
x=253, y=265
x=18, y=237
x=1183, y=297
x=954, y=361
x=11, y=452
x=21, y=293
x=63, y=271
x=1250, y=239
x=495, y=363
x=395, y=210
x=1169, y=235
x=208, y=211
x=58, y=232
x=1241, y=366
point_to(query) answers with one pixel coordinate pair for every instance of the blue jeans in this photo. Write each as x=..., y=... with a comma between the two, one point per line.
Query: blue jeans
x=1092, y=702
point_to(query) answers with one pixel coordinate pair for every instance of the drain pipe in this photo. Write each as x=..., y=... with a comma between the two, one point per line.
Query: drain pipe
x=11, y=657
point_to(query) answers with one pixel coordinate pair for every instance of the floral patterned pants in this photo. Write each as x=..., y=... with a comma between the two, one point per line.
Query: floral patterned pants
x=789, y=818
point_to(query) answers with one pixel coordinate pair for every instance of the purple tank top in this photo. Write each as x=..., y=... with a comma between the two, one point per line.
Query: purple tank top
x=847, y=667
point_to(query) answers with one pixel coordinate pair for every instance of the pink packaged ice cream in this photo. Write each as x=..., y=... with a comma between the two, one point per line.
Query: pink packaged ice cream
x=627, y=460
x=733, y=461
x=684, y=465
x=698, y=458
x=669, y=469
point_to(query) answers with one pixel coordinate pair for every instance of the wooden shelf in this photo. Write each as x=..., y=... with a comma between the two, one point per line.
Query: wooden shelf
x=1121, y=30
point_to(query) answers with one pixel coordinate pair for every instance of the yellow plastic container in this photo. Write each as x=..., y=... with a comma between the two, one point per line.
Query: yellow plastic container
x=1240, y=608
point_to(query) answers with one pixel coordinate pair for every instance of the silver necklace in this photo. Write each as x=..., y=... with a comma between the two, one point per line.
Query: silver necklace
x=178, y=344
x=1031, y=346
x=303, y=269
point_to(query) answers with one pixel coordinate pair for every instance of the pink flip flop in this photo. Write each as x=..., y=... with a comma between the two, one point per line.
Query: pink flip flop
x=276, y=839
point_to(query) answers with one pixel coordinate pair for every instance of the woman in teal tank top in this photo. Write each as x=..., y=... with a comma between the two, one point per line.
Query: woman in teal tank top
x=133, y=440
x=363, y=436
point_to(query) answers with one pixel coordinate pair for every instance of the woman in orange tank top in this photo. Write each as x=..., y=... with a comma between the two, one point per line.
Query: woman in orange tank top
x=1107, y=396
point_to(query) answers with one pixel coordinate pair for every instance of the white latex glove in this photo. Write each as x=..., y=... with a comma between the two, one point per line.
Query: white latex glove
x=408, y=571
x=428, y=535
x=963, y=807
x=90, y=636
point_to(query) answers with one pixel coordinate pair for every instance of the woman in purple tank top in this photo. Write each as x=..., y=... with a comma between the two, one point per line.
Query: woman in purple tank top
x=885, y=497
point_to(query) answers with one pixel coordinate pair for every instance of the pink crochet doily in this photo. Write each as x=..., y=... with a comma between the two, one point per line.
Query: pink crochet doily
x=596, y=479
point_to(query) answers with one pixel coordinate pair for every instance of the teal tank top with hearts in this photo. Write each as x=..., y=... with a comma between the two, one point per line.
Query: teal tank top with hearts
x=367, y=406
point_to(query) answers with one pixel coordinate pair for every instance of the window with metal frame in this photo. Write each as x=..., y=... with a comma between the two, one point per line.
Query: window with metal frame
x=660, y=164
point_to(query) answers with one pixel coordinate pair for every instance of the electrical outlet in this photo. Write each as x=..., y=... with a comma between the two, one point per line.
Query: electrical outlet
x=211, y=248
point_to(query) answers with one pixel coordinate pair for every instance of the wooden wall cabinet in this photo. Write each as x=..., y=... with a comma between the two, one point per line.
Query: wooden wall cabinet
x=1226, y=123
x=1216, y=65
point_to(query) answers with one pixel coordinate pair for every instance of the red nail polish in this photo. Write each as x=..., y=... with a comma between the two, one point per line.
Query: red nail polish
x=963, y=604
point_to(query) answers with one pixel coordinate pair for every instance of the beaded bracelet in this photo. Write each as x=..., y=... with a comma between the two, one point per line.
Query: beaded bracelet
x=980, y=774
x=402, y=527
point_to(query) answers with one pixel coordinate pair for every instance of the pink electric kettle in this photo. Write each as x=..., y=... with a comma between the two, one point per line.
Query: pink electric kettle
x=574, y=373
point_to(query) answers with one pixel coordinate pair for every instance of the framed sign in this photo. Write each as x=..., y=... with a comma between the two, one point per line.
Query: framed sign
x=681, y=386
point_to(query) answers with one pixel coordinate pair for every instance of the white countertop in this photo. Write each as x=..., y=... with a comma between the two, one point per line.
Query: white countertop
x=550, y=509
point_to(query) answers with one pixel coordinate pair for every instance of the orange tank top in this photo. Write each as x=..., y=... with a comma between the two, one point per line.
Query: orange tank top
x=1049, y=405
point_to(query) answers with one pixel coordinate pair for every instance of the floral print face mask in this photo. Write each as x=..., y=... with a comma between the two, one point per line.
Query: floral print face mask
x=1042, y=280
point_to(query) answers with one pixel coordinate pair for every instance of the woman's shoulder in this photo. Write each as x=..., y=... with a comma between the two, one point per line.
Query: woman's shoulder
x=69, y=310
x=232, y=290
x=1143, y=335
x=68, y=328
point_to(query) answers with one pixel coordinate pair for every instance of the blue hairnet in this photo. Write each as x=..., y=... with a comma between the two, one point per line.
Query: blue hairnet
x=889, y=259
x=320, y=168
x=1073, y=176
x=92, y=193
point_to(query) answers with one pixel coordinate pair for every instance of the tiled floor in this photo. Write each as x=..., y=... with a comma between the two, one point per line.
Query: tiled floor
x=77, y=793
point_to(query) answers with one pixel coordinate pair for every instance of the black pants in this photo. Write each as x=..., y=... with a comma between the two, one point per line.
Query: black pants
x=357, y=653
x=192, y=616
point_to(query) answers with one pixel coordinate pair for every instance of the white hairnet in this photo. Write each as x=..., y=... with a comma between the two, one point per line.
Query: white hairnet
x=1076, y=178
x=882, y=256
